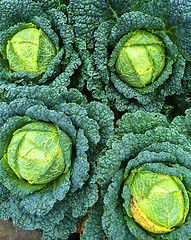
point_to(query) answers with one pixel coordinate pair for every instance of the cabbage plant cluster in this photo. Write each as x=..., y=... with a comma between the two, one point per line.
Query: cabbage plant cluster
x=62, y=163
x=47, y=173
x=136, y=52
x=145, y=179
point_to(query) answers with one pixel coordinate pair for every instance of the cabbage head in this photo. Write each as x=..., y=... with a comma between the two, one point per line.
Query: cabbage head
x=30, y=50
x=35, y=152
x=141, y=60
x=47, y=170
x=145, y=180
x=158, y=202
x=136, y=53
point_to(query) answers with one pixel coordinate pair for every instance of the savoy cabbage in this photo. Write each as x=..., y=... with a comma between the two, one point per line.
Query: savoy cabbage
x=47, y=175
x=103, y=29
x=37, y=44
x=144, y=176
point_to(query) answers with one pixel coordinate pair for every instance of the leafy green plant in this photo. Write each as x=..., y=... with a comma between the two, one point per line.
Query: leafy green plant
x=120, y=64
x=144, y=176
x=61, y=162
x=37, y=44
x=47, y=171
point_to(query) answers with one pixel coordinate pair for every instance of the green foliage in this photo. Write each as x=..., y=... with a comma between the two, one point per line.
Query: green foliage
x=57, y=150
x=48, y=139
x=146, y=144
x=107, y=26
x=94, y=219
x=37, y=44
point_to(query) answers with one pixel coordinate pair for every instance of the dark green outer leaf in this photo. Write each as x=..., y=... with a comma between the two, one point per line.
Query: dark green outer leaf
x=80, y=119
x=80, y=164
x=63, y=229
x=11, y=207
x=173, y=12
x=183, y=41
x=140, y=122
x=102, y=115
x=80, y=207
x=113, y=220
x=17, y=10
x=94, y=219
x=100, y=54
x=174, y=85
x=50, y=96
x=183, y=124
x=87, y=16
x=48, y=4
x=47, y=197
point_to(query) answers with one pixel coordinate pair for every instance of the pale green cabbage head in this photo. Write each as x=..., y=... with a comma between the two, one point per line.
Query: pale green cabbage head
x=141, y=59
x=38, y=151
x=30, y=50
x=159, y=202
